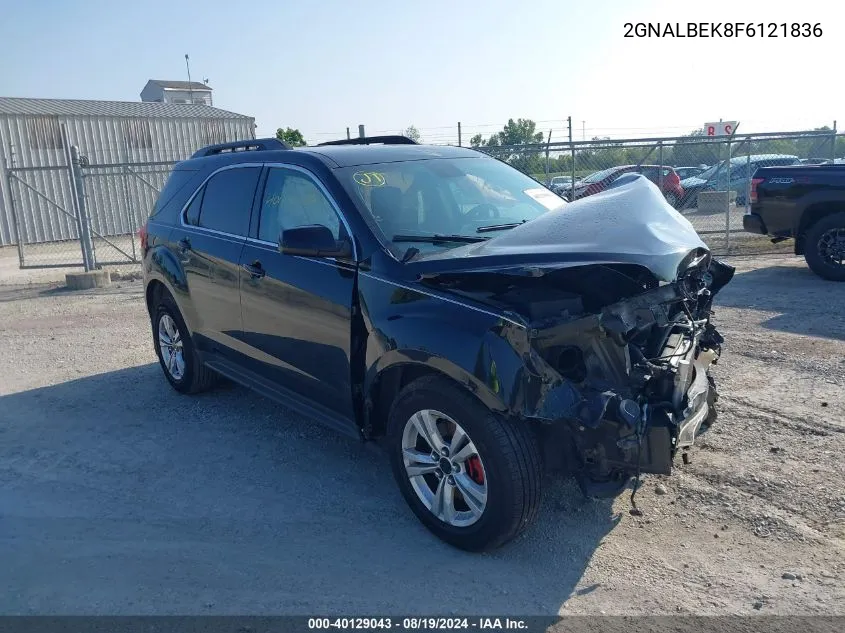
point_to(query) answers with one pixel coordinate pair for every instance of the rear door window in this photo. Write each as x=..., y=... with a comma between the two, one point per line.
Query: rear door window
x=227, y=200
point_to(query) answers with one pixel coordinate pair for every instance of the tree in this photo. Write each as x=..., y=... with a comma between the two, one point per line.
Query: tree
x=412, y=133
x=514, y=134
x=521, y=132
x=291, y=136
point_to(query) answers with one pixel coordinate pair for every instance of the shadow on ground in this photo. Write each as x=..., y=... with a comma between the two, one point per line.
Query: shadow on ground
x=120, y=496
x=804, y=303
x=43, y=291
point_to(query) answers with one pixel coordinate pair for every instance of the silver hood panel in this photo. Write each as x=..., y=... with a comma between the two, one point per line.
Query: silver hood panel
x=630, y=223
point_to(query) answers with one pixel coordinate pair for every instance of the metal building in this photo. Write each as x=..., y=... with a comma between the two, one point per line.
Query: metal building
x=124, y=139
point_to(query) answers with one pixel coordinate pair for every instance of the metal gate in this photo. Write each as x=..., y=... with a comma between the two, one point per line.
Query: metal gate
x=118, y=200
x=50, y=229
x=79, y=214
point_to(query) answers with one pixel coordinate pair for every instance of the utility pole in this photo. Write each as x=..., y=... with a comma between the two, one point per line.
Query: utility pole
x=583, y=130
x=459, y=134
x=548, y=142
x=190, y=86
x=572, y=149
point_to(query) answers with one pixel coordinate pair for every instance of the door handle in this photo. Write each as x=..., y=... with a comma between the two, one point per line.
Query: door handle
x=255, y=270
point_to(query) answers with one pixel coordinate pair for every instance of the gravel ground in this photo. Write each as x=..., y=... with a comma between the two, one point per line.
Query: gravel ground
x=119, y=496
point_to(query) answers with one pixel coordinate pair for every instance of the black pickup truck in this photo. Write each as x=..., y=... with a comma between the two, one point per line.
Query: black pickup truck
x=806, y=203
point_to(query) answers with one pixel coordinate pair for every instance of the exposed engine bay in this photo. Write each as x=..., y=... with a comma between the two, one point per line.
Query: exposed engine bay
x=616, y=361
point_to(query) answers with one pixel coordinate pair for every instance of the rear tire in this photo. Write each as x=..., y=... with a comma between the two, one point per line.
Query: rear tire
x=508, y=467
x=173, y=342
x=824, y=242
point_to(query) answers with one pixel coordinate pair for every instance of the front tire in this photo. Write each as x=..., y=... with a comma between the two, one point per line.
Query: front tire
x=176, y=352
x=824, y=247
x=472, y=477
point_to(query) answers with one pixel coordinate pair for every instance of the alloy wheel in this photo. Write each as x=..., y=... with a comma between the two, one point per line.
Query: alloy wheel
x=172, y=350
x=831, y=246
x=444, y=468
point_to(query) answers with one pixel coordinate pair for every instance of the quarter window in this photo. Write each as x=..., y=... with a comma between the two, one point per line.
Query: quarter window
x=293, y=199
x=227, y=200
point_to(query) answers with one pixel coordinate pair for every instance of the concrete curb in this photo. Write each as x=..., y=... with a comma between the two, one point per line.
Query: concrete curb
x=85, y=281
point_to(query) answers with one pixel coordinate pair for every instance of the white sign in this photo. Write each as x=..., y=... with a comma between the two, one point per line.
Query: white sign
x=722, y=128
x=544, y=197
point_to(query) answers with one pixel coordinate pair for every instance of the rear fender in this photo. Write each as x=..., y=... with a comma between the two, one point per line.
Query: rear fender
x=163, y=266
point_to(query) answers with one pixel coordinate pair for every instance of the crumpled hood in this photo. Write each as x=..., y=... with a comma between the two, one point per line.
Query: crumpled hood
x=629, y=223
x=693, y=181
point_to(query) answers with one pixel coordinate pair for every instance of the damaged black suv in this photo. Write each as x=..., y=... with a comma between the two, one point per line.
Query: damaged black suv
x=439, y=299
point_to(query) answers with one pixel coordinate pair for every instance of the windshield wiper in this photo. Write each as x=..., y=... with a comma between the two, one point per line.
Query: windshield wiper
x=437, y=238
x=498, y=227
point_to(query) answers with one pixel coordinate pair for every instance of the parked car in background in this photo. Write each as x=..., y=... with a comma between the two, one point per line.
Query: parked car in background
x=742, y=168
x=600, y=180
x=437, y=298
x=688, y=172
x=560, y=184
x=807, y=204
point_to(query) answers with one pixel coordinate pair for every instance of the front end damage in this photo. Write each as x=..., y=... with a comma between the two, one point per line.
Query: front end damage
x=633, y=377
x=618, y=341
x=615, y=364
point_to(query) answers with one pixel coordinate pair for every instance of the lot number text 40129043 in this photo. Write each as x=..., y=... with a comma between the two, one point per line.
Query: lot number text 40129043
x=722, y=29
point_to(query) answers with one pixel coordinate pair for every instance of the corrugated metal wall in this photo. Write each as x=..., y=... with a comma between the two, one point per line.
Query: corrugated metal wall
x=118, y=197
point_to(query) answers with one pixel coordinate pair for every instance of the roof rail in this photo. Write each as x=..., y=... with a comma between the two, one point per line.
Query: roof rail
x=370, y=140
x=255, y=144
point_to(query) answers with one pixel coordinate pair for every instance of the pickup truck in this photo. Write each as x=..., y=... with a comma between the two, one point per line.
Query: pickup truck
x=805, y=203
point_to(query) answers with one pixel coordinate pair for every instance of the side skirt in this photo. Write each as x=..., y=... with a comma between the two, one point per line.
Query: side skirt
x=280, y=394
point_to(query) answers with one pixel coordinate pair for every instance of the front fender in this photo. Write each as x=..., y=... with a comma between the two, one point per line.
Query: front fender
x=489, y=353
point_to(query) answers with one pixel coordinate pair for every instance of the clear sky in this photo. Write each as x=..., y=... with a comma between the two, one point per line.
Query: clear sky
x=323, y=66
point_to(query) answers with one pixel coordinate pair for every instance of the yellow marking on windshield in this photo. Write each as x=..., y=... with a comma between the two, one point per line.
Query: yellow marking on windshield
x=369, y=178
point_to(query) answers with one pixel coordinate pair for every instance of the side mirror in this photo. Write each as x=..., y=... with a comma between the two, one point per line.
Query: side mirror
x=313, y=240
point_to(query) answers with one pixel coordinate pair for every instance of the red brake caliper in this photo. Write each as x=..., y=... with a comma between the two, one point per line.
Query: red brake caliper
x=474, y=469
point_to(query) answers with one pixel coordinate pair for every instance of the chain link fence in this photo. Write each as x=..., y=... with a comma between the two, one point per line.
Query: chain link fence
x=83, y=214
x=707, y=179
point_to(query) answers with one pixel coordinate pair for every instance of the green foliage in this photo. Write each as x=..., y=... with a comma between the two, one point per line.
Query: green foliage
x=514, y=134
x=291, y=136
x=412, y=133
x=692, y=149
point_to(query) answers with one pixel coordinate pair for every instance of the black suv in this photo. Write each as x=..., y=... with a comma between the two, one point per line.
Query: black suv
x=444, y=301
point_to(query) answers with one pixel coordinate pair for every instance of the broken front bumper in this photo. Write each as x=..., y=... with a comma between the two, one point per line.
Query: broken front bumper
x=613, y=451
x=700, y=397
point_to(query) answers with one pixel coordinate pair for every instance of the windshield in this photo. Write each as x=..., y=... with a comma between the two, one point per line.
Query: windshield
x=460, y=197
x=600, y=175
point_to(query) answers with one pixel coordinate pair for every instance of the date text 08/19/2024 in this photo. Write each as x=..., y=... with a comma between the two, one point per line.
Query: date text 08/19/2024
x=722, y=29
x=417, y=624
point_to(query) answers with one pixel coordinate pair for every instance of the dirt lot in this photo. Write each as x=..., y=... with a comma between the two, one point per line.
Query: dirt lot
x=119, y=496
